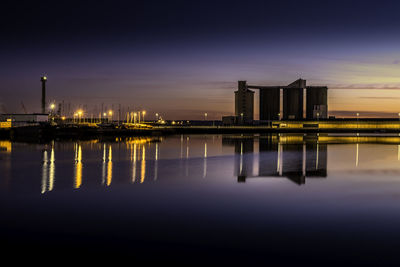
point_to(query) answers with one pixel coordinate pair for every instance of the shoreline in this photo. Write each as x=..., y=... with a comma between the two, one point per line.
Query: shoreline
x=52, y=132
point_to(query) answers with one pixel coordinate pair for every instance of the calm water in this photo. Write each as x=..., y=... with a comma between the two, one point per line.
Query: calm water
x=205, y=198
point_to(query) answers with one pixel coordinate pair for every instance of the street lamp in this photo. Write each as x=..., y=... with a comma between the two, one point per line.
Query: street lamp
x=110, y=112
x=143, y=113
x=358, y=114
x=80, y=112
x=157, y=116
x=205, y=116
x=134, y=117
x=52, y=107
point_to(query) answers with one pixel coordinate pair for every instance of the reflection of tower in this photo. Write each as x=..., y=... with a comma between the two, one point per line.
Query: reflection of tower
x=244, y=148
x=44, y=80
x=268, y=157
x=316, y=163
x=292, y=162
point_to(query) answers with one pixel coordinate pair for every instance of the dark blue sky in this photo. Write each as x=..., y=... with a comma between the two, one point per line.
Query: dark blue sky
x=183, y=58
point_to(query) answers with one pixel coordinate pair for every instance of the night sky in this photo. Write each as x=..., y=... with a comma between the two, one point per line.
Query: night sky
x=183, y=58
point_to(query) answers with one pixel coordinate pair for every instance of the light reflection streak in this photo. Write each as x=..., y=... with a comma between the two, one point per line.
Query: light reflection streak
x=103, y=173
x=48, y=170
x=181, y=146
x=52, y=168
x=357, y=155
x=143, y=167
x=109, y=166
x=156, y=163
x=316, y=162
x=187, y=157
x=78, y=166
x=241, y=158
x=134, y=164
x=44, y=172
x=205, y=160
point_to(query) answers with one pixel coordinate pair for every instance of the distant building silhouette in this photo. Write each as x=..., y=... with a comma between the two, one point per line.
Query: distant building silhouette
x=244, y=103
x=270, y=99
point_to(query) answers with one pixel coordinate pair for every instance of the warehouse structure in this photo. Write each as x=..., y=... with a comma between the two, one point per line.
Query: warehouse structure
x=292, y=102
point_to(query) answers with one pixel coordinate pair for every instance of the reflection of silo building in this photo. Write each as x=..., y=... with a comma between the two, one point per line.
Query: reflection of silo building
x=268, y=156
x=243, y=160
x=317, y=102
x=316, y=159
x=292, y=162
x=244, y=102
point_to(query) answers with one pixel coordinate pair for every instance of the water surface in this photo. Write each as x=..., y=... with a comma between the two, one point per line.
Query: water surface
x=289, y=199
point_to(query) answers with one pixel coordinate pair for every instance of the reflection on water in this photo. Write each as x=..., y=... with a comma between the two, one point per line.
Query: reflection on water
x=237, y=193
x=48, y=170
x=143, y=160
x=78, y=165
x=291, y=158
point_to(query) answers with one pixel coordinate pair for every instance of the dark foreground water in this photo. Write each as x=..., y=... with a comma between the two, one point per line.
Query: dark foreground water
x=288, y=200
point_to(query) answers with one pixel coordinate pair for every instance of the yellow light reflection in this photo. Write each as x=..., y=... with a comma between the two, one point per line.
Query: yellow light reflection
x=143, y=167
x=5, y=146
x=78, y=166
x=134, y=163
x=109, y=166
x=103, y=173
x=52, y=169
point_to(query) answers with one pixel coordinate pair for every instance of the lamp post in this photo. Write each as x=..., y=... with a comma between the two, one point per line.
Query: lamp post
x=241, y=118
x=80, y=112
x=205, y=116
x=143, y=113
x=134, y=117
x=358, y=114
x=110, y=113
x=52, y=107
x=156, y=116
